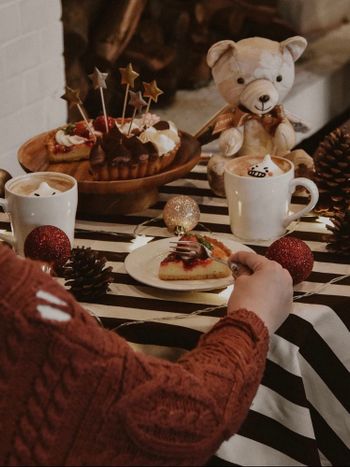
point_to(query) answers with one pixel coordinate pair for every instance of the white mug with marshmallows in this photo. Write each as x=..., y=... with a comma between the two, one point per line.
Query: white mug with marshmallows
x=259, y=191
x=39, y=198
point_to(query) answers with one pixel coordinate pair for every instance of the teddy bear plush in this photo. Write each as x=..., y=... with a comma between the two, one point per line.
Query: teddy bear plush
x=254, y=75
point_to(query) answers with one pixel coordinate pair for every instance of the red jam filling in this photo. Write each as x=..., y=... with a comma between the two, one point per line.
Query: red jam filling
x=187, y=264
x=62, y=148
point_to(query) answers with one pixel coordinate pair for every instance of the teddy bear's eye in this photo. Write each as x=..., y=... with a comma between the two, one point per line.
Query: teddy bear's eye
x=279, y=78
x=240, y=80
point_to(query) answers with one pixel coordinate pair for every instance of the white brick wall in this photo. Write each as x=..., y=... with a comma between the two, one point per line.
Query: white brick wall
x=31, y=74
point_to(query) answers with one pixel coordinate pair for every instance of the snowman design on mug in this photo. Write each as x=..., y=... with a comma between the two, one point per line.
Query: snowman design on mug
x=44, y=189
x=265, y=168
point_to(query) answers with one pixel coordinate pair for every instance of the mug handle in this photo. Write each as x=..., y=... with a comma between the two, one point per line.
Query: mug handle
x=7, y=237
x=311, y=188
x=4, y=204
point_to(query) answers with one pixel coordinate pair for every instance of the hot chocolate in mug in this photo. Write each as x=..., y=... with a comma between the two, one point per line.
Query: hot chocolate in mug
x=259, y=191
x=39, y=198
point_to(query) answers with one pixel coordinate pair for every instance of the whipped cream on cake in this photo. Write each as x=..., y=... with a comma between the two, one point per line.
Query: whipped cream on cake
x=125, y=127
x=163, y=135
x=138, y=124
x=68, y=140
x=148, y=119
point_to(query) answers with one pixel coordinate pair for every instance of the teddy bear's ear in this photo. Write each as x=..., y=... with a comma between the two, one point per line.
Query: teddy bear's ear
x=296, y=46
x=217, y=50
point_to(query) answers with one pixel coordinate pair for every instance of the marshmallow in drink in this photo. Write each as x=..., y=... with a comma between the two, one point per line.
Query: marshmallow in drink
x=266, y=168
x=44, y=189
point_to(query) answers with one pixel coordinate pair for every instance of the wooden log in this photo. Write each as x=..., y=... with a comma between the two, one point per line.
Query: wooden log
x=245, y=18
x=76, y=20
x=155, y=61
x=116, y=27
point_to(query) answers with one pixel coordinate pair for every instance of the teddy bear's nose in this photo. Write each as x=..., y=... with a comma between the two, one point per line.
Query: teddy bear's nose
x=264, y=98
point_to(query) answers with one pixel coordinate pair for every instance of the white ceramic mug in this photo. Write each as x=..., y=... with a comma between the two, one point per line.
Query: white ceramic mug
x=259, y=208
x=39, y=198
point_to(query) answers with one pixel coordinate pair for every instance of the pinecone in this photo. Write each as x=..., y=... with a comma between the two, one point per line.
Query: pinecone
x=340, y=238
x=86, y=275
x=332, y=172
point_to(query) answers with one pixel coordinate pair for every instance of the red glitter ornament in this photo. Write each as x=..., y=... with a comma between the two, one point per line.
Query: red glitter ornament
x=294, y=255
x=48, y=243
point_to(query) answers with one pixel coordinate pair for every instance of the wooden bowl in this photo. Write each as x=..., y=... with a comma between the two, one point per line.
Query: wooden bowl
x=110, y=197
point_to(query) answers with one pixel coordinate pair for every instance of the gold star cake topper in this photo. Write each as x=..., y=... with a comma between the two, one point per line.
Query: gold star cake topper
x=128, y=75
x=98, y=79
x=72, y=96
x=151, y=91
x=99, y=82
x=128, y=78
x=136, y=100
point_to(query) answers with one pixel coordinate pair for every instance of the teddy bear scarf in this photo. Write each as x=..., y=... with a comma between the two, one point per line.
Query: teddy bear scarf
x=238, y=117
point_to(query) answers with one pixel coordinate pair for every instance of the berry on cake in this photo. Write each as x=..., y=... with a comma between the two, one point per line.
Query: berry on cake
x=176, y=267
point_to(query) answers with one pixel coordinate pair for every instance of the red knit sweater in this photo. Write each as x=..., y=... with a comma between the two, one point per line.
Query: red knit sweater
x=73, y=393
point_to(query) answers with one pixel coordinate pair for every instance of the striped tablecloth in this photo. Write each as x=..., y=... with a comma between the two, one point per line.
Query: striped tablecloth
x=300, y=415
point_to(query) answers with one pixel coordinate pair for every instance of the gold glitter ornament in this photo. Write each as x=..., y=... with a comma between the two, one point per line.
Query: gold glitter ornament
x=181, y=214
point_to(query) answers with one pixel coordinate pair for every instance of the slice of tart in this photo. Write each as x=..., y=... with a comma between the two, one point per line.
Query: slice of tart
x=69, y=143
x=73, y=142
x=173, y=267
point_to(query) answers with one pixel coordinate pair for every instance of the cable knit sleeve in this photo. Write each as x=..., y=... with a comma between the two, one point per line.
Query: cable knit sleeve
x=187, y=409
x=87, y=398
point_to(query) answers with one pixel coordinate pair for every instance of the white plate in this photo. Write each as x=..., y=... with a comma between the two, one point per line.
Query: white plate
x=143, y=264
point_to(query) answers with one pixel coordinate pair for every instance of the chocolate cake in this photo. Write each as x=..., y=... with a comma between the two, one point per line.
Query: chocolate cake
x=145, y=151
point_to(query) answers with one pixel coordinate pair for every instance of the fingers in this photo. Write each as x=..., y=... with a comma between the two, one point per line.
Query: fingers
x=252, y=260
x=249, y=263
x=238, y=269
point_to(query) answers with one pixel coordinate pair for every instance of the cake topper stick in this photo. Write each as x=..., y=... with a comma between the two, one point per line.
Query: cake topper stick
x=72, y=96
x=128, y=78
x=99, y=82
x=137, y=102
x=152, y=92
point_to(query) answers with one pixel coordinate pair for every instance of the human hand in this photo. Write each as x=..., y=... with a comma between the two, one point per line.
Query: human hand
x=267, y=290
